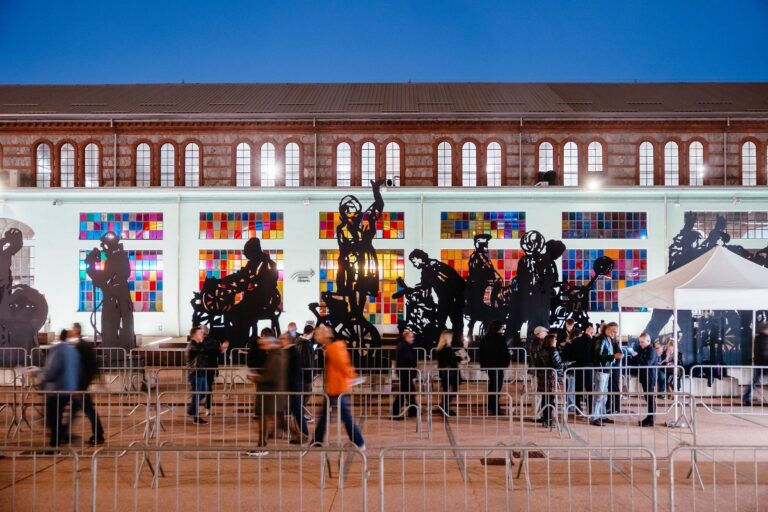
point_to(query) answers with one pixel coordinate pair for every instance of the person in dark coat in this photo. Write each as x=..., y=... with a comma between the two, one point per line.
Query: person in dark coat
x=406, y=363
x=213, y=363
x=494, y=356
x=580, y=353
x=760, y=347
x=199, y=357
x=89, y=368
x=295, y=385
x=647, y=360
x=448, y=370
x=549, y=376
x=307, y=350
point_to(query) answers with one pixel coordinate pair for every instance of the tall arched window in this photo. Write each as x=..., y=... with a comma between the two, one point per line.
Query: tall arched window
x=646, y=164
x=671, y=164
x=343, y=165
x=91, y=165
x=368, y=163
x=268, y=170
x=444, y=165
x=143, y=165
x=393, y=163
x=546, y=157
x=493, y=165
x=43, y=166
x=595, y=163
x=243, y=165
x=167, y=165
x=67, y=165
x=571, y=164
x=192, y=165
x=292, y=165
x=469, y=165
x=749, y=164
x=696, y=164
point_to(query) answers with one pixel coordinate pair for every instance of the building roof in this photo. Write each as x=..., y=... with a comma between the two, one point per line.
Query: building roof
x=385, y=100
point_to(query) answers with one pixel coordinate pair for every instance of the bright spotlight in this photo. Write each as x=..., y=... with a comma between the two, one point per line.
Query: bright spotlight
x=594, y=184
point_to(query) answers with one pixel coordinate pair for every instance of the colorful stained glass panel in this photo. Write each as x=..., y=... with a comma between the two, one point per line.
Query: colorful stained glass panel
x=218, y=263
x=630, y=267
x=389, y=225
x=500, y=225
x=145, y=282
x=504, y=260
x=601, y=225
x=129, y=225
x=382, y=310
x=241, y=225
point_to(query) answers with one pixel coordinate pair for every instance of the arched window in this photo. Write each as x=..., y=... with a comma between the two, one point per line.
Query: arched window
x=393, y=163
x=546, y=157
x=292, y=165
x=571, y=164
x=167, y=165
x=243, y=165
x=696, y=164
x=192, y=165
x=67, y=165
x=343, y=165
x=671, y=164
x=268, y=170
x=646, y=164
x=595, y=163
x=143, y=165
x=493, y=165
x=469, y=165
x=43, y=166
x=444, y=165
x=91, y=165
x=749, y=164
x=368, y=163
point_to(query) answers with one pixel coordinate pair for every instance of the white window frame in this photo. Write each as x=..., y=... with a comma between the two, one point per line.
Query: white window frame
x=671, y=164
x=67, y=158
x=92, y=154
x=167, y=165
x=571, y=164
x=268, y=165
x=469, y=164
x=696, y=164
x=444, y=164
x=143, y=165
x=292, y=165
x=546, y=157
x=493, y=165
x=646, y=163
x=192, y=165
x=749, y=164
x=595, y=159
x=393, y=163
x=367, y=163
x=243, y=165
x=43, y=170
x=343, y=164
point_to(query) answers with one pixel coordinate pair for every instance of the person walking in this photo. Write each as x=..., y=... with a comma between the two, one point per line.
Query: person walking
x=605, y=356
x=494, y=357
x=448, y=370
x=760, y=359
x=549, y=376
x=271, y=402
x=215, y=351
x=89, y=368
x=406, y=363
x=295, y=384
x=339, y=374
x=199, y=359
x=60, y=378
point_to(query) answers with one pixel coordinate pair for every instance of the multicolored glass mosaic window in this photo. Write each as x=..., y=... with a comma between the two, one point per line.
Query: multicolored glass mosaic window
x=619, y=225
x=499, y=225
x=145, y=282
x=241, y=225
x=741, y=225
x=129, y=225
x=630, y=267
x=504, y=260
x=389, y=225
x=383, y=310
x=218, y=263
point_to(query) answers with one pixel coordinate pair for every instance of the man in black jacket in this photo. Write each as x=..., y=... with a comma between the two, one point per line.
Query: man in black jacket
x=306, y=347
x=580, y=352
x=89, y=367
x=200, y=356
x=295, y=385
x=494, y=356
x=647, y=360
x=406, y=363
x=604, y=356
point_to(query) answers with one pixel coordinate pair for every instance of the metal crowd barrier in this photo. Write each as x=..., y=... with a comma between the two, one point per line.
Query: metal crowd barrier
x=471, y=355
x=735, y=390
x=40, y=479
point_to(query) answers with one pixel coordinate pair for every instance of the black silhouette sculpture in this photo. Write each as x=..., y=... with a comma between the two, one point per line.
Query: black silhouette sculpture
x=536, y=284
x=438, y=297
x=483, y=288
x=573, y=301
x=233, y=306
x=23, y=309
x=116, y=305
x=358, y=272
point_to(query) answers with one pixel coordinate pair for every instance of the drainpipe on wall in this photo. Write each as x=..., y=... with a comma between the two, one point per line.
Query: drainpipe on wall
x=725, y=151
x=520, y=154
x=114, y=152
x=178, y=257
x=421, y=221
x=314, y=129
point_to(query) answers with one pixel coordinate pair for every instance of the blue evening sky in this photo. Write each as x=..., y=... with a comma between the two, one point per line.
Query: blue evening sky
x=106, y=41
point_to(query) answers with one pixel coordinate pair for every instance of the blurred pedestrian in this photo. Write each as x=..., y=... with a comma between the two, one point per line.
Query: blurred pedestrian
x=60, y=379
x=448, y=370
x=89, y=368
x=494, y=357
x=406, y=363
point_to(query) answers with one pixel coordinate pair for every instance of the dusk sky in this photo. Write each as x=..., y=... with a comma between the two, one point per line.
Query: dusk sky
x=89, y=41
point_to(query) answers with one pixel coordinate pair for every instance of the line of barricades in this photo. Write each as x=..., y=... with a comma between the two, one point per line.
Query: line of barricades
x=428, y=478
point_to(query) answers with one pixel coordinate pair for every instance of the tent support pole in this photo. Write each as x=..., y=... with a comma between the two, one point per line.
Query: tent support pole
x=679, y=421
x=754, y=334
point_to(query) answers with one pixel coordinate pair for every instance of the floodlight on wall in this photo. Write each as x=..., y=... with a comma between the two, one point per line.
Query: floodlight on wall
x=594, y=184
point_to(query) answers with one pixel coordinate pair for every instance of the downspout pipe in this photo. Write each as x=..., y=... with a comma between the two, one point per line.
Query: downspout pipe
x=114, y=151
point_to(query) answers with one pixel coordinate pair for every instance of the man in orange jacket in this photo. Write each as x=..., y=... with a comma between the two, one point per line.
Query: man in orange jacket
x=339, y=373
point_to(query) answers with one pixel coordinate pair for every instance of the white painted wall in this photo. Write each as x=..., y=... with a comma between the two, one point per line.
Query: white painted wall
x=57, y=244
